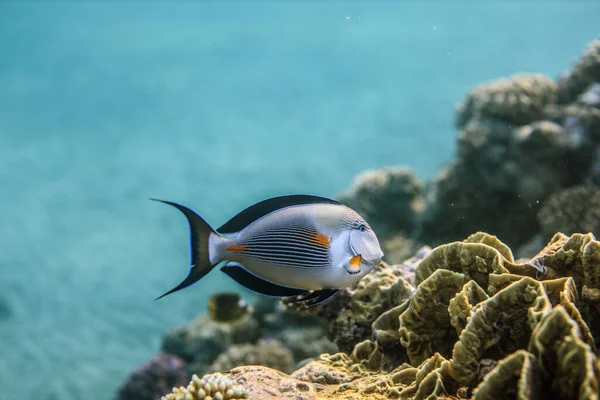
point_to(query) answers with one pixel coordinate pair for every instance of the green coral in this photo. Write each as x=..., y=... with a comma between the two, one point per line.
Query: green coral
x=425, y=325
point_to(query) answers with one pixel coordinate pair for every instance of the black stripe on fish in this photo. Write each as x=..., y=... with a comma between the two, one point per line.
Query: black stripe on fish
x=286, y=244
x=297, y=263
x=290, y=249
x=260, y=209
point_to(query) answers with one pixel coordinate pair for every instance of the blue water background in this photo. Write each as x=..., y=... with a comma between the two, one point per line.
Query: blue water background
x=216, y=106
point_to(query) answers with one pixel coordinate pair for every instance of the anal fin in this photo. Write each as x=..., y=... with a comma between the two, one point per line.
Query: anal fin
x=258, y=285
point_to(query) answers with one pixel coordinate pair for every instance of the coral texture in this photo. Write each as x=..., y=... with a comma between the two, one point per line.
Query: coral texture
x=521, y=139
x=478, y=325
x=576, y=209
x=394, y=189
x=154, y=378
x=269, y=353
x=213, y=387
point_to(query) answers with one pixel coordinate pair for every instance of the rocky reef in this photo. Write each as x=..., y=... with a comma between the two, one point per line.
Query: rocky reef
x=475, y=323
x=231, y=333
x=490, y=288
x=521, y=140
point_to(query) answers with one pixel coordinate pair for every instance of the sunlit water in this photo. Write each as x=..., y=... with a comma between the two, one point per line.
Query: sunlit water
x=219, y=106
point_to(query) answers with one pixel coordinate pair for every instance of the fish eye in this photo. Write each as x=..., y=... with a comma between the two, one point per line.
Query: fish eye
x=362, y=227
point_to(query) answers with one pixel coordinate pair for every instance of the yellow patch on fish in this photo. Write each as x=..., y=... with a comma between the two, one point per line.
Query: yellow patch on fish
x=236, y=248
x=355, y=263
x=322, y=239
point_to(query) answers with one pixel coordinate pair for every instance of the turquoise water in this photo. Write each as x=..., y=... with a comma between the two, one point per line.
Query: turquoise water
x=215, y=106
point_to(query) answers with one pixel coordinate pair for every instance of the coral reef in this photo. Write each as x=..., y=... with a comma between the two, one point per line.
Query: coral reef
x=466, y=319
x=353, y=310
x=576, y=209
x=397, y=190
x=213, y=387
x=232, y=333
x=478, y=324
x=521, y=140
x=227, y=307
x=154, y=378
x=267, y=352
x=584, y=73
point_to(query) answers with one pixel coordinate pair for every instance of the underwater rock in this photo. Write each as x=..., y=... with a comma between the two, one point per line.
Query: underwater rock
x=519, y=99
x=227, y=307
x=585, y=72
x=352, y=311
x=267, y=352
x=232, y=340
x=500, y=178
x=154, y=378
x=397, y=248
x=397, y=190
x=576, y=209
x=477, y=325
x=201, y=342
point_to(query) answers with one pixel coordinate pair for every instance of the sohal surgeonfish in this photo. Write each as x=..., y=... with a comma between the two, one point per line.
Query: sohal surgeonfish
x=298, y=245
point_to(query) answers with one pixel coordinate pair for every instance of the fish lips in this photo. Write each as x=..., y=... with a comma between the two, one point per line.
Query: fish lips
x=369, y=261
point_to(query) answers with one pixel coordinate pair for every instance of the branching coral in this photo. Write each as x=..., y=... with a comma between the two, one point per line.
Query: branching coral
x=214, y=387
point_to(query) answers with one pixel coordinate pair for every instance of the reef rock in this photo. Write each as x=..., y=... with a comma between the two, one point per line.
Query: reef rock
x=397, y=190
x=478, y=324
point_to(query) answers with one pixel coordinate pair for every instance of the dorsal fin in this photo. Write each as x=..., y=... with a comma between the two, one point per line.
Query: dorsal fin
x=260, y=209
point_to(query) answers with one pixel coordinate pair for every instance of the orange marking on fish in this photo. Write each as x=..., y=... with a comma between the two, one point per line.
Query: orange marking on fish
x=322, y=239
x=236, y=248
x=355, y=261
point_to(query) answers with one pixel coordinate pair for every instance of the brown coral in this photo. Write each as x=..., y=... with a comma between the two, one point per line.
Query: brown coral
x=585, y=71
x=394, y=189
x=520, y=99
x=354, y=309
x=572, y=210
x=268, y=352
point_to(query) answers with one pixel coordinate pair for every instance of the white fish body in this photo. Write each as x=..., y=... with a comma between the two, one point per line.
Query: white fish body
x=286, y=246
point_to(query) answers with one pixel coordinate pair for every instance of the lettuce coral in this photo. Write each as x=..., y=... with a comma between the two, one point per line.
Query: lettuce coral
x=478, y=325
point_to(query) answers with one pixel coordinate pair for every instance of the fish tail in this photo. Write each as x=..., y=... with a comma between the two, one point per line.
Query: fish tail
x=200, y=232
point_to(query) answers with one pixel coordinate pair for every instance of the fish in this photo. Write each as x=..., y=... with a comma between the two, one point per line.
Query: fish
x=292, y=246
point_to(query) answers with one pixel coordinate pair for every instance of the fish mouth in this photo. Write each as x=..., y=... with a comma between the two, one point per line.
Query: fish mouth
x=364, y=260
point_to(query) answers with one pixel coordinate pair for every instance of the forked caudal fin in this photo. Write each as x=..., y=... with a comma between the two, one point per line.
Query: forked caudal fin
x=199, y=233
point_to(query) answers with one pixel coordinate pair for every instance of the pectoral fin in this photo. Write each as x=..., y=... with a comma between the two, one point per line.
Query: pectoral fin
x=353, y=265
x=317, y=297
